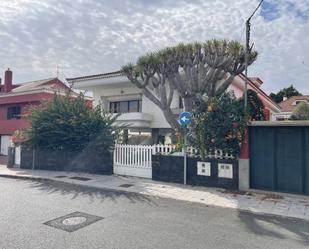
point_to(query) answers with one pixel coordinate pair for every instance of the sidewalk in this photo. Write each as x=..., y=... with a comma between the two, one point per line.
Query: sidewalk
x=271, y=204
x=3, y=160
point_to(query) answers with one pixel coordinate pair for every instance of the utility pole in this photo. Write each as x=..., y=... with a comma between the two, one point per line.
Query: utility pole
x=248, y=24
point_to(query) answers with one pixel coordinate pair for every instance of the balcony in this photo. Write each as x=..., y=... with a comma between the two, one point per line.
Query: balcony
x=135, y=119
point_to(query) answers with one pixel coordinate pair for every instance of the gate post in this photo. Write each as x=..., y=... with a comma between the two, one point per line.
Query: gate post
x=244, y=164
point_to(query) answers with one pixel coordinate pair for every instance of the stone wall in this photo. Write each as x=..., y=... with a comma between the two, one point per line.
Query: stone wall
x=171, y=169
x=91, y=162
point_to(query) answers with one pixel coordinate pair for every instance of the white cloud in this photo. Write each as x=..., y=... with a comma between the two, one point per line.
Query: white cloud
x=99, y=36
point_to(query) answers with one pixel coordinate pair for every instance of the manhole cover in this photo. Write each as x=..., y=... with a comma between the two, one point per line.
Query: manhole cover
x=60, y=176
x=126, y=185
x=73, y=221
x=80, y=178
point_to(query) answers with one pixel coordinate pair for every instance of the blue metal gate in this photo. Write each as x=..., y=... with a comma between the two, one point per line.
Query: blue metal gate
x=279, y=158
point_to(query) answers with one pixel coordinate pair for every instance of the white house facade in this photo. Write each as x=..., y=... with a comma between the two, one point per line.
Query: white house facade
x=116, y=94
x=145, y=120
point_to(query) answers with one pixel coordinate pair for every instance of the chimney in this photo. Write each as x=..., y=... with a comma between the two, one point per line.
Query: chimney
x=285, y=98
x=8, y=85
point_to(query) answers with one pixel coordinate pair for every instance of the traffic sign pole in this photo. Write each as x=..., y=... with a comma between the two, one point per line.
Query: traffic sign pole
x=184, y=120
x=185, y=156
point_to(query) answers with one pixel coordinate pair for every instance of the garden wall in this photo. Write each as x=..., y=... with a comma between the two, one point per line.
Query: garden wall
x=170, y=169
x=91, y=162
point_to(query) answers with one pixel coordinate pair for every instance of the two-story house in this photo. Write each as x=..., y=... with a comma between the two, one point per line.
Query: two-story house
x=146, y=122
x=15, y=101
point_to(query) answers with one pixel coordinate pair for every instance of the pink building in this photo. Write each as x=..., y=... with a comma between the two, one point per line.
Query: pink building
x=255, y=83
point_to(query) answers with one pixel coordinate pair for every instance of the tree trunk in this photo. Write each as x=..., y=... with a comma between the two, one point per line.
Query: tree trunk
x=188, y=104
x=170, y=118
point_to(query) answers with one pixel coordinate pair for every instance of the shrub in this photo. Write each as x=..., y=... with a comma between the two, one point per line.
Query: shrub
x=301, y=112
x=20, y=137
x=255, y=107
x=68, y=123
x=218, y=123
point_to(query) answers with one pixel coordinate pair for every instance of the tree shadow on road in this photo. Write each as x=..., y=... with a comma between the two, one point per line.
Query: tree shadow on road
x=273, y=226
x=75, y=191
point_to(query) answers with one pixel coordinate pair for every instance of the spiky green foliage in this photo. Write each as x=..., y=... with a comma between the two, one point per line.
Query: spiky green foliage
x=218, y=123
x=301, y=112
x=68, y=123
x=192, y=69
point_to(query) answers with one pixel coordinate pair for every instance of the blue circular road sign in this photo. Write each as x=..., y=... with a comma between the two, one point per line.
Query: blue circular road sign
x=184, y=118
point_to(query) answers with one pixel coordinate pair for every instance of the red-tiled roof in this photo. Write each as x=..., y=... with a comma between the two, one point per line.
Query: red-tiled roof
x=32, y=85
x=2, y=86
x=51, y=84
x=289, y=104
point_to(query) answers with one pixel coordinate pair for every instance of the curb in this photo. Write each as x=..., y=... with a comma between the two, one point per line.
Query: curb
x=31, y=178
x=132, y=193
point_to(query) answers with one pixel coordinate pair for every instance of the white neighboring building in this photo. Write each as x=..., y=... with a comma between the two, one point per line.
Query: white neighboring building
x=118, y=95
x=288, y=105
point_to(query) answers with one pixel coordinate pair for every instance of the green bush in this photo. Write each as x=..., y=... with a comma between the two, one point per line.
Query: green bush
x=68, y=123
x=218, y=123
x=301, y=112
x=255, y=107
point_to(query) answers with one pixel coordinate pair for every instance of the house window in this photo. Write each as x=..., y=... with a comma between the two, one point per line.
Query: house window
x=14, y=112
x=125, y=106
x=134, y=106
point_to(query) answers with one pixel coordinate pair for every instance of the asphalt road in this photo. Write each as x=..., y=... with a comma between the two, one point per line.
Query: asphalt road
x=133, y=221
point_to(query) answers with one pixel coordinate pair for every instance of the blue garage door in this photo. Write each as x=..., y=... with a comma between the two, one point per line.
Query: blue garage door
x=279, y=158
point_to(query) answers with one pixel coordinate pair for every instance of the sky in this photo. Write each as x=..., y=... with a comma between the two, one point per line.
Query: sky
x=84, y=37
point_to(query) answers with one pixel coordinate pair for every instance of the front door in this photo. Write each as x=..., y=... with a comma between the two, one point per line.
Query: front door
x=4, y=144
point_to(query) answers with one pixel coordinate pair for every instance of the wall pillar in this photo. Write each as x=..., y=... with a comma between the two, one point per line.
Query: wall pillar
x=244, y=164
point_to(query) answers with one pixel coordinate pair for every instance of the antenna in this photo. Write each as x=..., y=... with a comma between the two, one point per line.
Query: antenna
x=248, y=24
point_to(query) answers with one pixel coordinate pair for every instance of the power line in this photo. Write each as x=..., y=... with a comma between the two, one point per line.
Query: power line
x=255, y=10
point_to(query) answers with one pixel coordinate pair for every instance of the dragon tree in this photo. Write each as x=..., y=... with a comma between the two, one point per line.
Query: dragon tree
x=191, y=69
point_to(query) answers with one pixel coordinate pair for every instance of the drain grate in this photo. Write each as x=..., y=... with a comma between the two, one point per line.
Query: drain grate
x=73, y=221
x=126, y=185
x=60, y=176
x=80, y=178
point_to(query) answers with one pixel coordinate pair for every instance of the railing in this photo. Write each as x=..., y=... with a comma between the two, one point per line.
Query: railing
x=140, y=155
x=133, y=155
x=163, y=149
x=218, y=154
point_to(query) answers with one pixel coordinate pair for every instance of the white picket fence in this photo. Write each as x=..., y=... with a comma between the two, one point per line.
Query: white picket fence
x=135, y=160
